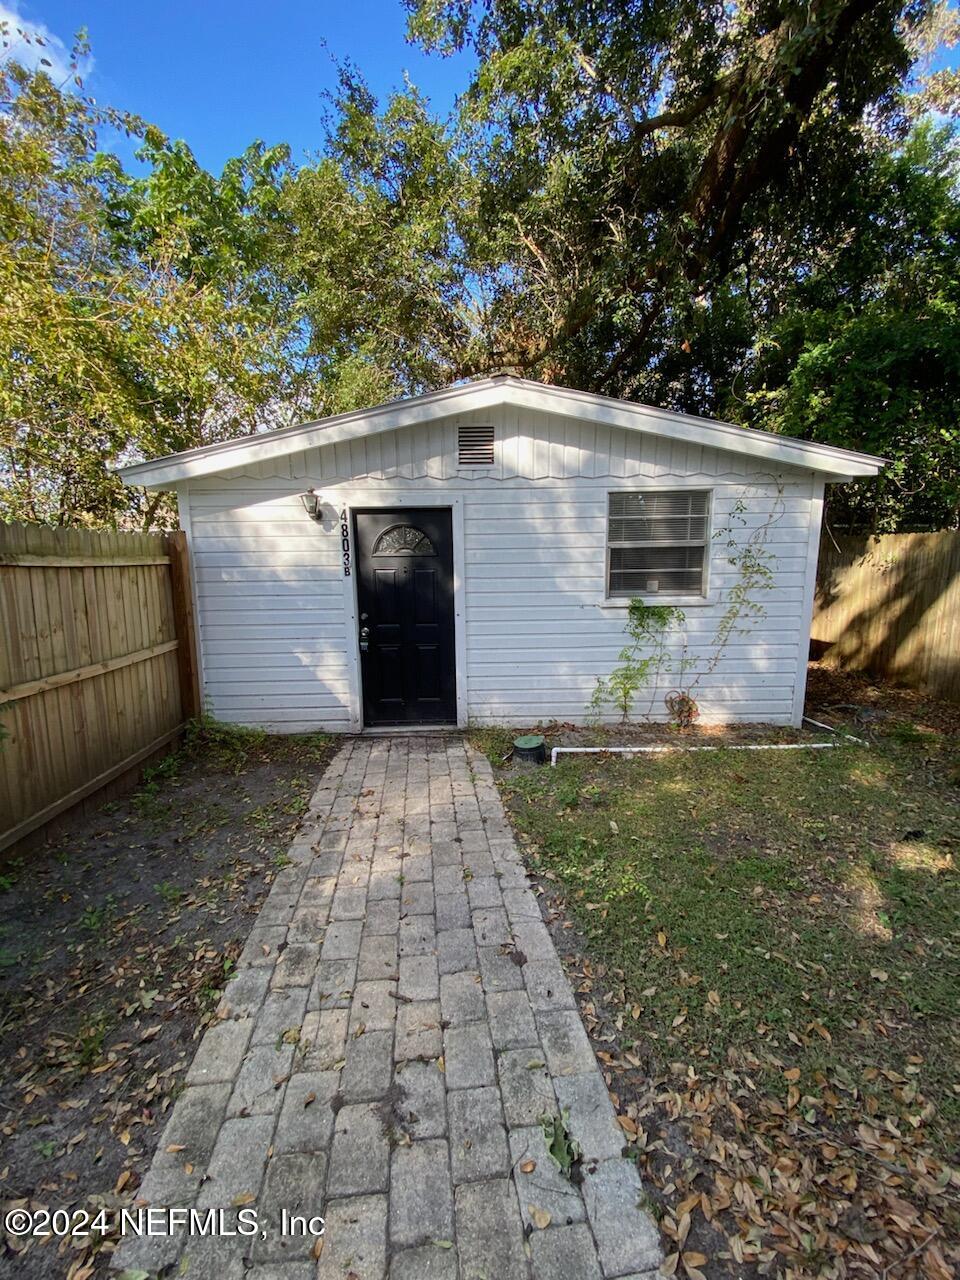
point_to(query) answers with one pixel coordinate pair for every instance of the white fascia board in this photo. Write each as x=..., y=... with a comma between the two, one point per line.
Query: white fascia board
x=705, y=431
x=580, y=405
x=162, y=473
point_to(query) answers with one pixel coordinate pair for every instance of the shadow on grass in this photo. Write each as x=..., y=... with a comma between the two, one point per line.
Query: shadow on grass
x=795, y=907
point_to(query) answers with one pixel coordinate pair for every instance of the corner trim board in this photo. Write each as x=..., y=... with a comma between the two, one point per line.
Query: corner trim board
x=809, y=596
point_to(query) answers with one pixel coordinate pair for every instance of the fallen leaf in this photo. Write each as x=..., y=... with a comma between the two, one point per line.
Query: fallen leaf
x=541, y=1219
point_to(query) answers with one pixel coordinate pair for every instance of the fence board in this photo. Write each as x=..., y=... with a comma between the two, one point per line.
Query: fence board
x=97, y=663
x=890, y=606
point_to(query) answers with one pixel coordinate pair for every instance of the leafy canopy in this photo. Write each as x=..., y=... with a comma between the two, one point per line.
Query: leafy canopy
x=735, y=211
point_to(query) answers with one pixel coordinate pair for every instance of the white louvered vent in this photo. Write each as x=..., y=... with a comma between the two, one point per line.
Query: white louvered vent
x=475, y=444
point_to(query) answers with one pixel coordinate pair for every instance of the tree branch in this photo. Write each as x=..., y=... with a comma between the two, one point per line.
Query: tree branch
x=684, y=116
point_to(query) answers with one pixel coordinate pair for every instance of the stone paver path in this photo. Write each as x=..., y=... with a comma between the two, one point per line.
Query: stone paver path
x=398, y=1028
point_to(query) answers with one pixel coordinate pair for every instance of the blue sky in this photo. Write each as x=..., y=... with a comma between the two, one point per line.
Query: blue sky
x=221, y=73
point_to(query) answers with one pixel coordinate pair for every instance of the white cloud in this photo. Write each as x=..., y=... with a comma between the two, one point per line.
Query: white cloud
x=33, y=44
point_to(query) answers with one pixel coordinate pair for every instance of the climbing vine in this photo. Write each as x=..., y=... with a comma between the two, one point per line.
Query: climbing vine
x=646, y=628
x=647, y=655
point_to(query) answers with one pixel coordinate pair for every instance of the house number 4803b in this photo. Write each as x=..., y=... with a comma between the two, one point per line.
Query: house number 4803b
x=345, y=542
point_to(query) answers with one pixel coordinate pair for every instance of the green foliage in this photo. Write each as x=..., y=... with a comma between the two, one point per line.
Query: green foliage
x=95, y=919
x=723, y=210
x=734, y=211
x=563, y=1148
x=782, y=881
x=493, y=741
x=865, y=352
x=138, y=318
x=146, y=315
x=640, y=661
x=224, y=746
x=171, y=893
x=755, y=571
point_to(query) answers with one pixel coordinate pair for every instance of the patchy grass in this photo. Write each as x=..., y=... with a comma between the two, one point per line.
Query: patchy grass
x=115, y=944
x=769, y=961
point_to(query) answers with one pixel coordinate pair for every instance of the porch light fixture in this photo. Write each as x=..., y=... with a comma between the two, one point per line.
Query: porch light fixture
x=311, y=505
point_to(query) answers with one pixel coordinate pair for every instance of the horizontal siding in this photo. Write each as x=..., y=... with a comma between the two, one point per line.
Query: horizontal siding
x=271, y=601
x=537, y=638
x=528, y=445
x=270, y=609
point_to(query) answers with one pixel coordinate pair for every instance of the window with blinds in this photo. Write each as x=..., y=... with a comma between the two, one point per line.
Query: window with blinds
x=657, y=543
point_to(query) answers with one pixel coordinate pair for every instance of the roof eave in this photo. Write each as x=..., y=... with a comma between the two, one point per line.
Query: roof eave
x=164, y=473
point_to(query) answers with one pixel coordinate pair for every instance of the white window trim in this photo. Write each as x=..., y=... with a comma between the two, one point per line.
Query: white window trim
x=700, y=599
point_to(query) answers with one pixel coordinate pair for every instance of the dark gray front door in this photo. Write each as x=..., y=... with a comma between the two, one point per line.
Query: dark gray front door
x=405, y=596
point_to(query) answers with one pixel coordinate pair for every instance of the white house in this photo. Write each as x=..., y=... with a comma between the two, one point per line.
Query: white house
x=469, y=555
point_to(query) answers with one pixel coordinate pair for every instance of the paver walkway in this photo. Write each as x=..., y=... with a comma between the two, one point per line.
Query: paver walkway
x=398, y=1028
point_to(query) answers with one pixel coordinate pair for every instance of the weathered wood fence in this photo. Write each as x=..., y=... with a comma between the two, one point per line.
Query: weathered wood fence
x=98, y=664
x=891, y=606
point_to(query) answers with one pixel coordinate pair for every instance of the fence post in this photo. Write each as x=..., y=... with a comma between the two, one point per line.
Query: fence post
x=185, y=623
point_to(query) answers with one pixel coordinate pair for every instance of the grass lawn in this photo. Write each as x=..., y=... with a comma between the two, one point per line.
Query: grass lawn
x=768, y=956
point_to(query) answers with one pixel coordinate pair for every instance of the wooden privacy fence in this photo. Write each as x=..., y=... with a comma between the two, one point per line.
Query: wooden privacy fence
x=97, y=663
x=890, y=606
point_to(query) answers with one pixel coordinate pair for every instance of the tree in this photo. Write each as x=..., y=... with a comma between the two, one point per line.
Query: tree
x=865, y=352
x=734, y=211
x=140, y=316
x=146, y=315
x=668, y=190
x=382, y=278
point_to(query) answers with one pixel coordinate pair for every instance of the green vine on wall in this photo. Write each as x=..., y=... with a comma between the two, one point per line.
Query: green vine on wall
x=646, y=627
x=647, y=656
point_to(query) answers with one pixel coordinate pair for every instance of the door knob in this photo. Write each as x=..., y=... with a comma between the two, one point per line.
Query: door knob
x=364, y=639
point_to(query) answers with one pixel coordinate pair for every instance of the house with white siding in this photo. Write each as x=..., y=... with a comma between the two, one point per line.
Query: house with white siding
x=468, y=556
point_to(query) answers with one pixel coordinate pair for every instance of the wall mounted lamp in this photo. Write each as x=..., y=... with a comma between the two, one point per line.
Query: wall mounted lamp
x=311, y=505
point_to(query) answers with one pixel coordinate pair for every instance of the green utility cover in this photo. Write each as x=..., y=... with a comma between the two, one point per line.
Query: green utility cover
x=528, y=741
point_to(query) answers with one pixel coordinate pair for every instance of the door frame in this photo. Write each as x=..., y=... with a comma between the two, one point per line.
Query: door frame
x=365, y=500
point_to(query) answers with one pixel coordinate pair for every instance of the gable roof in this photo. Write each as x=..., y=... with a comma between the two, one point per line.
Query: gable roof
x=487, y=393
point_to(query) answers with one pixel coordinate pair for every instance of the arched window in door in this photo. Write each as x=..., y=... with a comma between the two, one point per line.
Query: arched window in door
x=403, y=540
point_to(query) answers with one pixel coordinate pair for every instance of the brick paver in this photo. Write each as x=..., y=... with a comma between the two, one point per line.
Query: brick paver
x=398, y=1027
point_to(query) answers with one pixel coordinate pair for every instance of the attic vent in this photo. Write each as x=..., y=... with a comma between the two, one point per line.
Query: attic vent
x=475, y=444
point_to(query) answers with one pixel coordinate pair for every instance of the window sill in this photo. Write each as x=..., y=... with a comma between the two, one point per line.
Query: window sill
x=678, y=602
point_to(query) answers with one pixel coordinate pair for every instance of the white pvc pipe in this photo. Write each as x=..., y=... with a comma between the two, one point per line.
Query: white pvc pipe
x=828, y=728
x=634, y=751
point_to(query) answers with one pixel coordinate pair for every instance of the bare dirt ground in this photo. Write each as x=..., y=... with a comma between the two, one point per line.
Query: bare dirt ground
x=114, y=946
